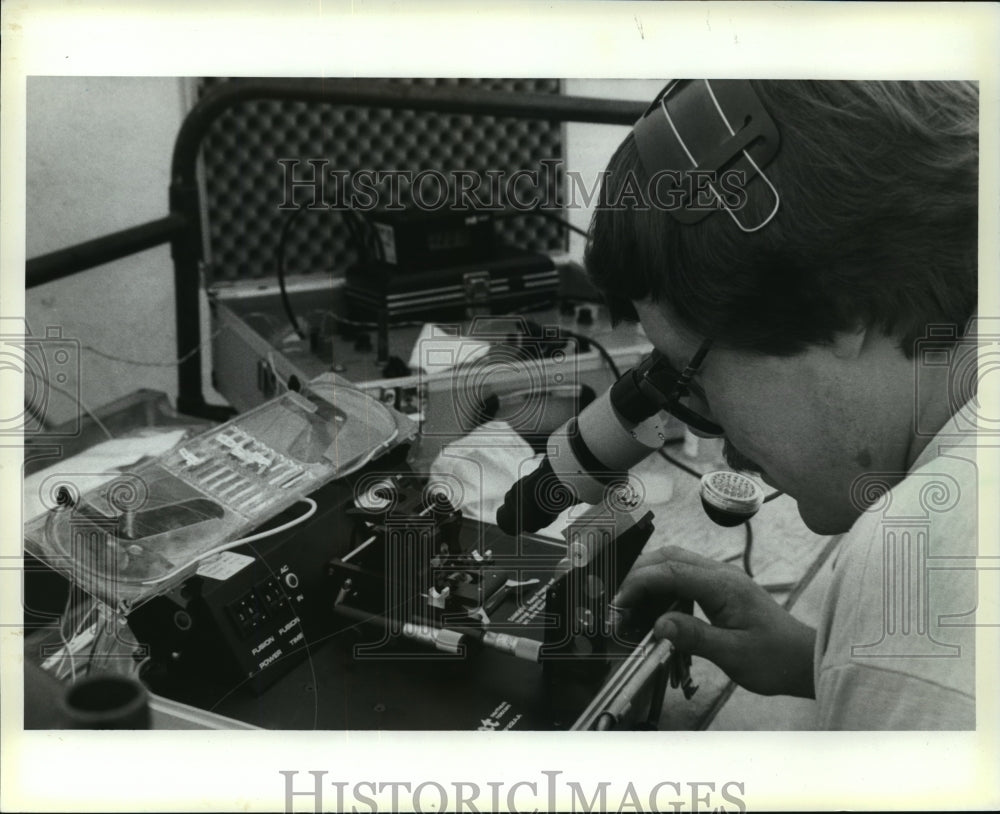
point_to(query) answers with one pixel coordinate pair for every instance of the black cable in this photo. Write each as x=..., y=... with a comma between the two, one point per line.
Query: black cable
x=552, y=216
x=141, y=362
x=747, y=548
x=680, y=465
x=355, y=229
x=361, y=236
x=351, y=224
x=603, y=351
x=98, y=633
x=280, y=263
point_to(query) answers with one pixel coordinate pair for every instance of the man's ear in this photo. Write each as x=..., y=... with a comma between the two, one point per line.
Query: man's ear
x=849, y=344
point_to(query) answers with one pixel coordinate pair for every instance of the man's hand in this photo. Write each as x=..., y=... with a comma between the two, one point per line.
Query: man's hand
x=754, y=640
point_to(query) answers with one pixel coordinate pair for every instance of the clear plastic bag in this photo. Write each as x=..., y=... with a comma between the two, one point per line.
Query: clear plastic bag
x=145, y=530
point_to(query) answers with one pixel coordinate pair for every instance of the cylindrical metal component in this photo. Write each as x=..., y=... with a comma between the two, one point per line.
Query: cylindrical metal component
x=629, y=396
x=617, y=443
x=126, y=524
x=64, y=262
x=441, y=638
x=655, y=656
x=518, y=646
x=572, y=461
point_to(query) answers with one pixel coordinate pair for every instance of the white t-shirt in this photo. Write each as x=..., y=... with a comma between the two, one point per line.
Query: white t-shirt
x=895, y=642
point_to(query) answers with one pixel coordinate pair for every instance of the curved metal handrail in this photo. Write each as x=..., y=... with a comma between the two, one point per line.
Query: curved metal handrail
x=182, y=226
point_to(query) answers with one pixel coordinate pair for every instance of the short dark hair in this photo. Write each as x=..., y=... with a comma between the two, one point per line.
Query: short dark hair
x=877, y=224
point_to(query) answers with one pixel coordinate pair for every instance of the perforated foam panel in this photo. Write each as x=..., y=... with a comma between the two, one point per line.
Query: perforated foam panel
x=245, y=184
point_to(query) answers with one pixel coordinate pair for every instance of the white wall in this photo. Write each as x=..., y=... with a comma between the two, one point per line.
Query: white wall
x=589, y=146
x=98, y=160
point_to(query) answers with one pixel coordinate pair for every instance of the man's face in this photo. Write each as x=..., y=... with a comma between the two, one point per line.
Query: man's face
x=809, y=423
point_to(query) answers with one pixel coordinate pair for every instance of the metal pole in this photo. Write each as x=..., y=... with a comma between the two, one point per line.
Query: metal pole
x=183, y=226
x=65, y=262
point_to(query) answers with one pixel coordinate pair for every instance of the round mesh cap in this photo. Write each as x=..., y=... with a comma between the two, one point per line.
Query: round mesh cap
x=730, y=498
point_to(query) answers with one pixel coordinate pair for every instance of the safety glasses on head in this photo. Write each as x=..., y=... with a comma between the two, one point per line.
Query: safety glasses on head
x=675, y=391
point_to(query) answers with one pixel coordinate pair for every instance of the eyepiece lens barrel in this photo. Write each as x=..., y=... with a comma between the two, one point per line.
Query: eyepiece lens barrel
x=535, y=501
